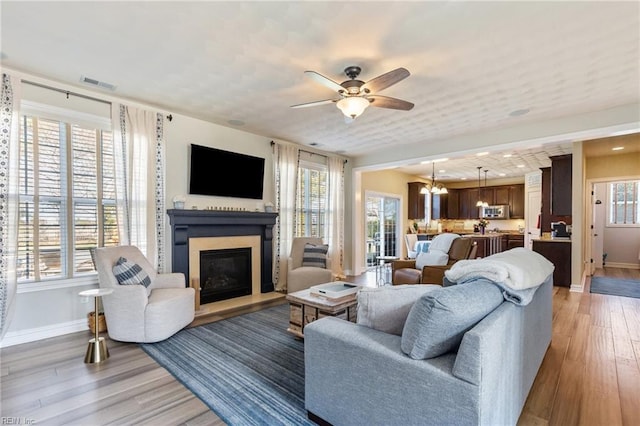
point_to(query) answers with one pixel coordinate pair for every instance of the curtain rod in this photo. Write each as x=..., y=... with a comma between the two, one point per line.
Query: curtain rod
x=312, y=153
x=66, y=92
x=79, y=95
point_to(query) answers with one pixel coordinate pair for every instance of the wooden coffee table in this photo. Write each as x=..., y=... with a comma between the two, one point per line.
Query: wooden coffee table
x=304, y=308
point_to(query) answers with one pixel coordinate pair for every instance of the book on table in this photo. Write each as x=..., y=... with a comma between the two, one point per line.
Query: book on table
x=334, y=290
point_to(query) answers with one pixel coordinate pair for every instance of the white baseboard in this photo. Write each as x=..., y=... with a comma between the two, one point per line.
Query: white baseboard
x=39, y=333
x=579, y=288
x=622, y=265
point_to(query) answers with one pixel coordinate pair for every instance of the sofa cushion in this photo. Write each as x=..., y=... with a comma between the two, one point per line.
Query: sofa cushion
x=315, y=255
x=438, y=320
x=386, y=308
x=431, y=258
x=130, y=273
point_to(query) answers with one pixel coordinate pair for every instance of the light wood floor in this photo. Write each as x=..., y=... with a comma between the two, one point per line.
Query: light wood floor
x=590, y=375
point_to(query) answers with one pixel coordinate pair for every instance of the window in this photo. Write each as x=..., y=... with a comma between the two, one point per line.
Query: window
x=623, y=203
x=67, y=198
x=311, y=201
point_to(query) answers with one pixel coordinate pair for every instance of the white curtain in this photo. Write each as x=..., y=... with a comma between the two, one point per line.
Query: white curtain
x=140, y=170
x=334, y=231
x=285, y=159
x=9, y=197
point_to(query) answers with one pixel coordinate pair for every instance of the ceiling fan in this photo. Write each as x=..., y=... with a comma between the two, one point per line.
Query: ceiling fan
x=356, y=95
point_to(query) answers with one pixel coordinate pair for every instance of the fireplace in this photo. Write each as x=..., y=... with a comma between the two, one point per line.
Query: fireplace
x=195, y=231
x=224, y=274
x=223, y=268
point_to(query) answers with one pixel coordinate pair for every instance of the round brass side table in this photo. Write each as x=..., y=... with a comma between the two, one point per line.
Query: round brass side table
x=97, y=350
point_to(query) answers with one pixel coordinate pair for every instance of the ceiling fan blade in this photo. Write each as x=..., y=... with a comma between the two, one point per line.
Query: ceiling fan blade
x=324, y=81
x=315, y=103
x=385, y=80
x=387, y=102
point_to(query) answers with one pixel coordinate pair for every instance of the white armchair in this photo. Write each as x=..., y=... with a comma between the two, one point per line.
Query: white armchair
x=302, y=277
x=138, y=314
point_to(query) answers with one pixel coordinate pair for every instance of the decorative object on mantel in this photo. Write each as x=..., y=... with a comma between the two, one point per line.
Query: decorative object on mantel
x=268, y=207
x=178, y=201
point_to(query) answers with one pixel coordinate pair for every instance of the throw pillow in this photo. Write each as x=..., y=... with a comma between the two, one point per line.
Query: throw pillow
x=386, y=308
x=315, y=255
x=430, y=258
x=439, y=319
x=130, y=273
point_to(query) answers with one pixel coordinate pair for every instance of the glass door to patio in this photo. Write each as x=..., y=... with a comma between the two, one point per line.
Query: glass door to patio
x=382, y=222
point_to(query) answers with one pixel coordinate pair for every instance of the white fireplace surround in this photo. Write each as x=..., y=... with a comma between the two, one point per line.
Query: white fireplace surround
x=196, y=245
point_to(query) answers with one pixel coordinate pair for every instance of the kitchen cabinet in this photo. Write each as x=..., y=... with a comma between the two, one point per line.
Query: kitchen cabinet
x=501, y=195
x=439, y=206
x=557, y=252
x=467, y=199
x=453, y=204
x=510, y=241
x=561, y=170
x=545, y=200
x=516, y=201
x=416, y=201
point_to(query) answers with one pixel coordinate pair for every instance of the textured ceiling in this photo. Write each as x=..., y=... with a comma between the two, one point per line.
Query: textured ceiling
x=471, y=63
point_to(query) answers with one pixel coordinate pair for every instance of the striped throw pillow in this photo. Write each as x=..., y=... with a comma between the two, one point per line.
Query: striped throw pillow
x=315, y=255
x=130, y=273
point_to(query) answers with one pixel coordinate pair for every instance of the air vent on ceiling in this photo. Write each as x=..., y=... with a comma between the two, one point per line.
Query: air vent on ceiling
x=97, y=83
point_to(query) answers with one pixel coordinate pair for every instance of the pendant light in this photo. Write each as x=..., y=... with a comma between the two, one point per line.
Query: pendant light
x=436, y=189
x=479, y=203
x=484, y=203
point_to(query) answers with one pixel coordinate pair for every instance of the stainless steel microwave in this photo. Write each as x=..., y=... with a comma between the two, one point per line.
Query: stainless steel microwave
x=495, y=212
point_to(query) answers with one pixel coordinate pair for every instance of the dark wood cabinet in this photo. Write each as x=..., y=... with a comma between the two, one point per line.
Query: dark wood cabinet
x=439, y=206
x=561, y=170
x=461, y=203
x=558, y=253
x=453, y=204
x=545, y=200
x=501, y=195
x=467, y=203
x=487, y=195
x=510, y=241
x=516, y=201
x=416, y=201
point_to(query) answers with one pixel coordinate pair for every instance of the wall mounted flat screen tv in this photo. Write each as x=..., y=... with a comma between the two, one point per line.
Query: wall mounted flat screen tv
x=225, y=174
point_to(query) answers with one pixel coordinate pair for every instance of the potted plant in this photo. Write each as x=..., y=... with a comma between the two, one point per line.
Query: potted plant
x=482, y=224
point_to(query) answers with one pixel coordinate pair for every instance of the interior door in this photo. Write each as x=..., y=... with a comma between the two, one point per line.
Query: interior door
x=599, y=212
x=531, y=218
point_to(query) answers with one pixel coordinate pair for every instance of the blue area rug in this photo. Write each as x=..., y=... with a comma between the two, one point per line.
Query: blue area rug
x=615, y=287
x=248, y=369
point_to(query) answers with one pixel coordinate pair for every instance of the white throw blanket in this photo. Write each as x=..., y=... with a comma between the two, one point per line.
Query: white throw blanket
x=517, y=269
x=443, y=242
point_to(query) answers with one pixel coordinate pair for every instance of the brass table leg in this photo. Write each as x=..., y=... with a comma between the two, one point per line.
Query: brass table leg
x=97, y=350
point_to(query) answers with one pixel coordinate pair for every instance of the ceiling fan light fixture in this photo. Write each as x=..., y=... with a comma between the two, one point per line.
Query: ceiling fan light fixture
x=352, y=106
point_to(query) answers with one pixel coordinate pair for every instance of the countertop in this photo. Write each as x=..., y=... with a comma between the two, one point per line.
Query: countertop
x=469, y=233
x=553, y=240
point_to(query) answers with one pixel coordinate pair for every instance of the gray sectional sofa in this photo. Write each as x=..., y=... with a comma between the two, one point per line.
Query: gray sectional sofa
x=358, y=375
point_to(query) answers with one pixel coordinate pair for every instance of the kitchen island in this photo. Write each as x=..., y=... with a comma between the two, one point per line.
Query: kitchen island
x=488, y=244
x=558, y=252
